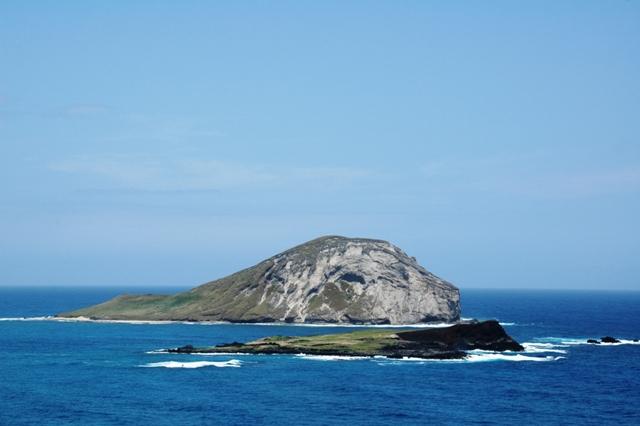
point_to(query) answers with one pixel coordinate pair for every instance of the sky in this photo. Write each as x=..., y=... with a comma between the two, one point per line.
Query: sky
x=160, y=143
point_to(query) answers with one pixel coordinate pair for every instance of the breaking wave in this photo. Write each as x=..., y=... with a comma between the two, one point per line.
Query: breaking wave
x=105, y=321
x=477, y=356
x=233, y=363
x=538, y=348
x=510, y=357
x=222, y=354
x=331, y=357
x=566, y=342
x=325, y=325
x=270, y=324
x=473, y=356
x=44, y=318
x=165, y=352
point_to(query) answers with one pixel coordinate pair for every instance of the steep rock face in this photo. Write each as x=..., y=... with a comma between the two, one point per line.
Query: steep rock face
x=331, y=279
x=337, y=279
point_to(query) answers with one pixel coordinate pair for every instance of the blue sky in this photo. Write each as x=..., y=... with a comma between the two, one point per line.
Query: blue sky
x=170, y=143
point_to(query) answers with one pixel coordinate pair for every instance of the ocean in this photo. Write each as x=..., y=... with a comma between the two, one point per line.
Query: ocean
x=90, y=373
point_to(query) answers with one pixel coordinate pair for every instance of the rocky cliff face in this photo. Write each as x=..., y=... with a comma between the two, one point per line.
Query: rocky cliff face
x=331, y=279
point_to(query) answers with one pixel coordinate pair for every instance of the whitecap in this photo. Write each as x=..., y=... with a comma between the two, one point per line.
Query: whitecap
x=331, y=357
x=115, y=321
x=619, y=343
x=164, y=352
x=234, y=363
x=534, y=348
x=222, y=354
x=43, y=318
x=565, y=341
x=623, y=342
x=327, y=325
x=109, y=321
x=476, y=356
x=473, y=356
x=510, y=357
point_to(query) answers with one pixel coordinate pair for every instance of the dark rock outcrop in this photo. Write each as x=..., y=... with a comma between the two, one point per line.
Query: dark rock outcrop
x=187, y=349
x=486, y=335
x=436, y=343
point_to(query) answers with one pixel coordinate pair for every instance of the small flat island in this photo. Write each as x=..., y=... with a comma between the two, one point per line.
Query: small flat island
x=431, y=343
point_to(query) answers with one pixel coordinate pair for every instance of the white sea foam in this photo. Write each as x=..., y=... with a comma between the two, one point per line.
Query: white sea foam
x=264, y=324
x=85, y=319
x=135, y=322
x=270, y=324
x=323, y=325
x=565, y=341
x=234, y=363
x=473, y=356
x=222, y=354
x=463, y=319
x=45, y=318
x=477, y=356
x=536, y=348
x=164, y=352
x=509, y=357
x=622, y=342
x=331, y=357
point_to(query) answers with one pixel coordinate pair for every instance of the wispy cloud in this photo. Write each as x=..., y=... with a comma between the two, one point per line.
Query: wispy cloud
x=577, y=184
x=520, y=176
x=193, y=174
x=536, y=175
x=85, y=110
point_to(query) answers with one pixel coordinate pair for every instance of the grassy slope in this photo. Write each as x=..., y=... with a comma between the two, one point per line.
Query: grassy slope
x=229, y=298
x=219, y=300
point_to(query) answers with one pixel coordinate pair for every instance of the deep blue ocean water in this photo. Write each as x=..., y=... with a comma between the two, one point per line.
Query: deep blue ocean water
x=107, y=374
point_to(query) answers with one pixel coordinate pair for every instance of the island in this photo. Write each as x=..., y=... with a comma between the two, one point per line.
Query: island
x=451, y=342
x=330, y=280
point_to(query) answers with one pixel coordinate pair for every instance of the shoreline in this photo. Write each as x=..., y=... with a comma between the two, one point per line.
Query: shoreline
x=54, y=318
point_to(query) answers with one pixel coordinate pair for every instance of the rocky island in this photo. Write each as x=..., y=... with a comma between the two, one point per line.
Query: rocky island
x=330, y=279
x=432, y=343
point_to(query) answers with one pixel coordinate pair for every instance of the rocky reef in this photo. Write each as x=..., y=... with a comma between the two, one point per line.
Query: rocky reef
x=331, y=279
x=605, y=339
x=432, y=343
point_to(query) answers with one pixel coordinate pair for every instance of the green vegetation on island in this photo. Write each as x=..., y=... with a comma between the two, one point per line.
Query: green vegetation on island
x=440, y=343
x=327, y=280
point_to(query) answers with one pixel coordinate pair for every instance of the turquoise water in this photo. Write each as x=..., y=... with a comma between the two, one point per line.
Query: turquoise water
x=104, y=373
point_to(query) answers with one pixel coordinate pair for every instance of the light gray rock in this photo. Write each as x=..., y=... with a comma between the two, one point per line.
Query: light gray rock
x=356, y=280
